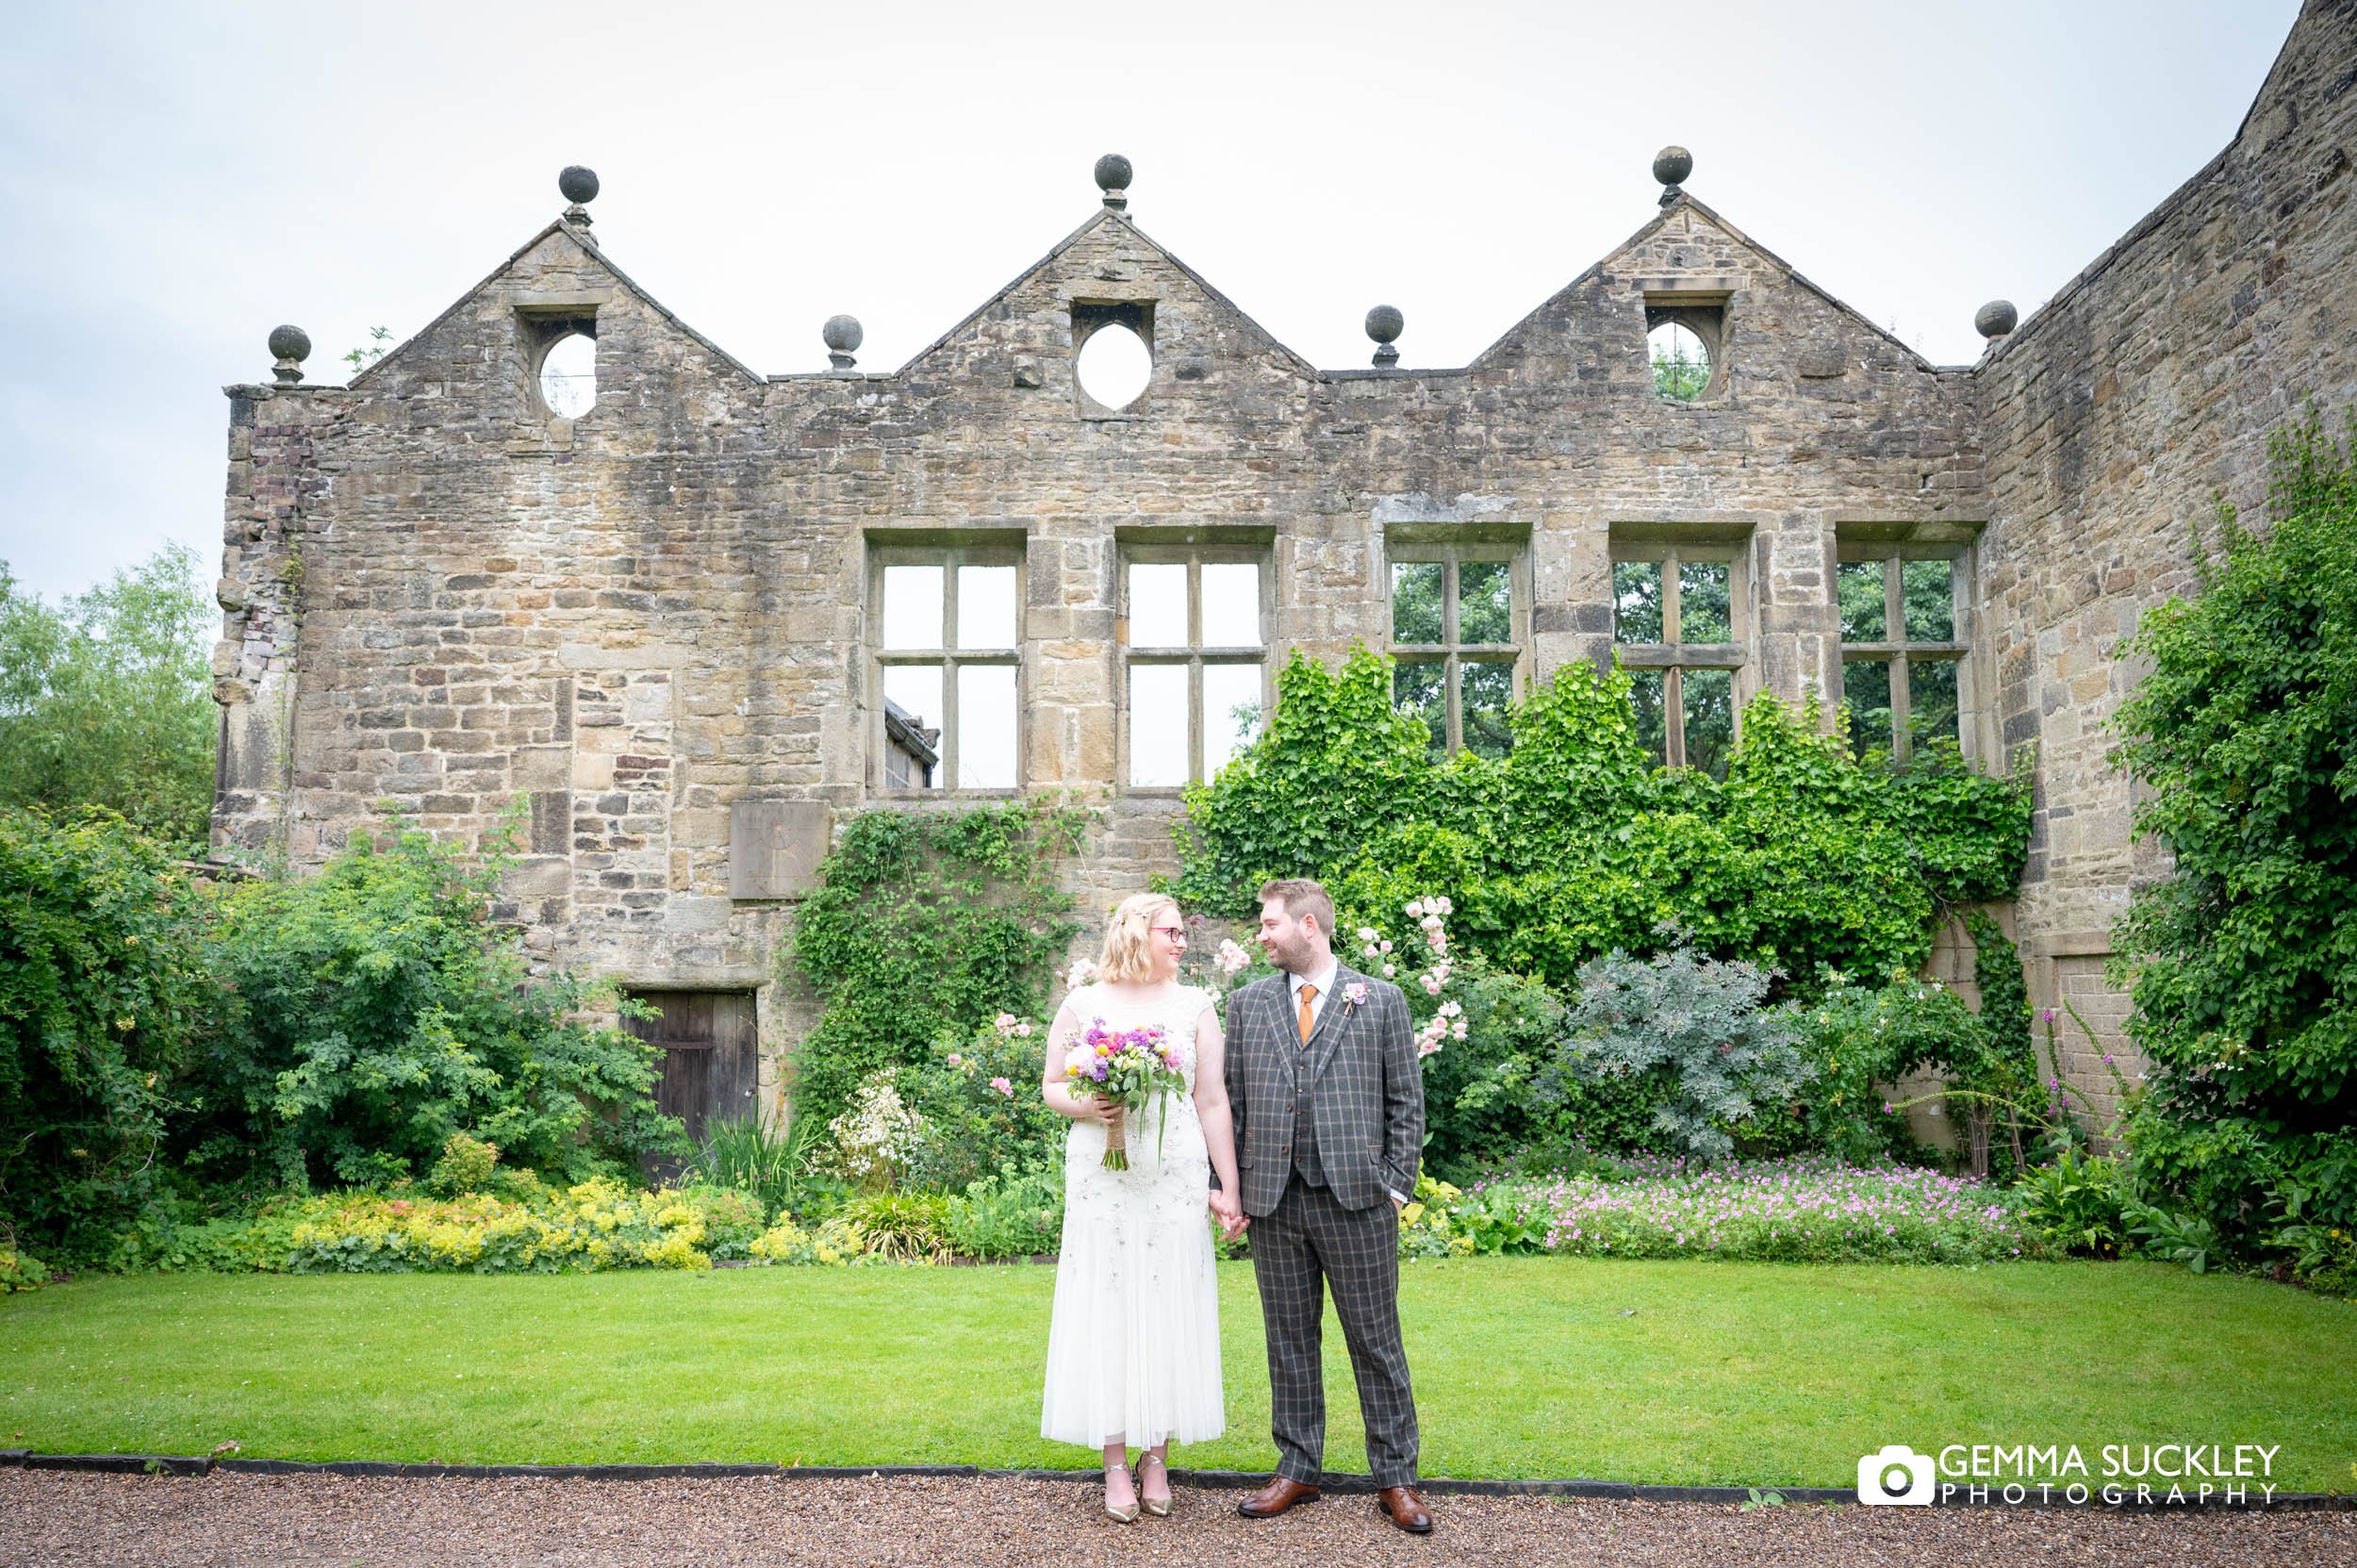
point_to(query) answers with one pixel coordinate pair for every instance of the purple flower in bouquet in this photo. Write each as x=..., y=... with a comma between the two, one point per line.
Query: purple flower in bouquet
x=1133, y=1067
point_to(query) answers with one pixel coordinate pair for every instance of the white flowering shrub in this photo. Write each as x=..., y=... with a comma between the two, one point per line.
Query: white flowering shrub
x=877, y=1137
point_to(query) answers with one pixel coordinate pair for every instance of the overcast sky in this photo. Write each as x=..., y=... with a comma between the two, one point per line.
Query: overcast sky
x=173, y=184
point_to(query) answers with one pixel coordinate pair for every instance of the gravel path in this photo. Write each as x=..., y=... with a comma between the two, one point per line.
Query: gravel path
x=63, y=1518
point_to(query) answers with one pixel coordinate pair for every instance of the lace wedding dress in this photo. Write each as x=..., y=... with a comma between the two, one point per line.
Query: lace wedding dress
x=1134, y=1343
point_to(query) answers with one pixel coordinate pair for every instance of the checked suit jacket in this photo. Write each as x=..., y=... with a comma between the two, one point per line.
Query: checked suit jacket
x=1367, y=1105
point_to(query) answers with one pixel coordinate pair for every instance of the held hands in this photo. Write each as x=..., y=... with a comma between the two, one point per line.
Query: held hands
x=1230, y=1215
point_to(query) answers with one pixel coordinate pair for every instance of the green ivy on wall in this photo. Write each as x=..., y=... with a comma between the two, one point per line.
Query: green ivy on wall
x=924, y=925
x=1574, y=843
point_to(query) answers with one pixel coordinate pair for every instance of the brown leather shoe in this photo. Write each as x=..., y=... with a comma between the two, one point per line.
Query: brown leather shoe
x=1281, y=1492
x=1404, y=1509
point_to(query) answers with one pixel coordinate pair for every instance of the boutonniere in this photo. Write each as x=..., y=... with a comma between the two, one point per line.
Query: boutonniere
x=1354, y=993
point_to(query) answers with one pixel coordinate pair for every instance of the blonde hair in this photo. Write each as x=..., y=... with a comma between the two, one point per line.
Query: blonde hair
x=1128, y=953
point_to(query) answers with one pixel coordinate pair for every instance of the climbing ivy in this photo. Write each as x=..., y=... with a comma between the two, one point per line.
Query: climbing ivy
x=926, y=925
x=1805, y=858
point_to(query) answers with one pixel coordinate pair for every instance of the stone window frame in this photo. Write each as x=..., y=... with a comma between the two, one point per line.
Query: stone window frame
x=949, y=549
x=1669, y=545
x=1702, y=305
x=1194, y=549
x=1451, y=548
x=1894, y=544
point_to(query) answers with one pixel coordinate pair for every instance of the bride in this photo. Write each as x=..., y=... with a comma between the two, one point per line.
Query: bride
x=1134, y=1343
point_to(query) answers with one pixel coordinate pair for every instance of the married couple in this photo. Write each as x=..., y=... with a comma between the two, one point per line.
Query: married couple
x=1304, y=1123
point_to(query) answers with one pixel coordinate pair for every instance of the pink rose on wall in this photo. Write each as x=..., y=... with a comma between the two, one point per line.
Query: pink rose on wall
x=1003, y=1086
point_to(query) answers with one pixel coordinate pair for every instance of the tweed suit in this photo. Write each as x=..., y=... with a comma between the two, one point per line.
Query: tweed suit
x=1365, y=1097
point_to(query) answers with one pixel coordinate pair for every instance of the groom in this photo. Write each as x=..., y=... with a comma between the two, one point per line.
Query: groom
x=1328, y=1106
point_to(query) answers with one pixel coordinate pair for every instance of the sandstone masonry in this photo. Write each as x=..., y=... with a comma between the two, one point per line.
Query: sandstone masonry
x=652, y=632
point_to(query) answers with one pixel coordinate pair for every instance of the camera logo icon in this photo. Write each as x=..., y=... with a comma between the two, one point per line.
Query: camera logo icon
x=1897, y=1474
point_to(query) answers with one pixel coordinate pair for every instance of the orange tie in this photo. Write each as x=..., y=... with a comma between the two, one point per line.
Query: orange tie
x=1309, y=995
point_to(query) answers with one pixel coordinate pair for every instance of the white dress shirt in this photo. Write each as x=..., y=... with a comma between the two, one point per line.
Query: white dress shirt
x=1325, y=984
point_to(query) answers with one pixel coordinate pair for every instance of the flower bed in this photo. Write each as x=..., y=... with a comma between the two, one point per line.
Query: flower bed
x=1801, y=1210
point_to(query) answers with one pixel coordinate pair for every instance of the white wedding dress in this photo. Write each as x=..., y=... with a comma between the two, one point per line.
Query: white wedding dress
x=1134, y=1343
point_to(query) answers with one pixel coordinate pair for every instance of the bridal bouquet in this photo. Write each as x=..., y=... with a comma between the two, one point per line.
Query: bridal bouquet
x=1131, y=1068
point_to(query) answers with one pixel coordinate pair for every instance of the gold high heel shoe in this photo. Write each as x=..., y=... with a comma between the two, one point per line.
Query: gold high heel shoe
x=1158, y=1507
x=1129, y=1515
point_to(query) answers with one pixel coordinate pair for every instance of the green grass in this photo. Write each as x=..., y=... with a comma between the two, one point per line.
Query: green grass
x=1724, y=1372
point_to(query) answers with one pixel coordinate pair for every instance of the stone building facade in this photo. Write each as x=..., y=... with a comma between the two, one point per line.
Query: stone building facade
x=681, y=634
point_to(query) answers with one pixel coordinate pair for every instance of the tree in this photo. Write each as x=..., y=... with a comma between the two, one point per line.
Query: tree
x=105, y=699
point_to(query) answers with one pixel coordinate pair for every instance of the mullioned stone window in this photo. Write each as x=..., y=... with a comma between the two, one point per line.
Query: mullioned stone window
x=1903, y=651
x=946, y=655
x=1457, y=611
x=1680, y=628
x=1194, y=659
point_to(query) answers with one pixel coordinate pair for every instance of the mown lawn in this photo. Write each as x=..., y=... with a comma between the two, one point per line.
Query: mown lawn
x=1545, y=1367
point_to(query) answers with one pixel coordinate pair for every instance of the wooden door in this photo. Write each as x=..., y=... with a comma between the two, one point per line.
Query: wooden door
x=710, y=1062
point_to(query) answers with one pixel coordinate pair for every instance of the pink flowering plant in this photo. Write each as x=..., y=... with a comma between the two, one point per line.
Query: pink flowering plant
x=981, y=1104
x=1807, y=1209
x=1133, y=1067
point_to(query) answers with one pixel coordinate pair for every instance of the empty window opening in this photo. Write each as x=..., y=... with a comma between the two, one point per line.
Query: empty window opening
x=1681, y=362
x=1195, y=651
x=1674, y=624
x=1454, y=617
x=569, y=375
x=950, y=653
x=1901, y=657
x=1113, y=353
x=1115, y=367
x=1686, y=342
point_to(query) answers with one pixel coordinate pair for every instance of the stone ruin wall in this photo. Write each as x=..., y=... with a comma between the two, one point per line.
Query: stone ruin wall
x=2115, y=421
x=646, y=630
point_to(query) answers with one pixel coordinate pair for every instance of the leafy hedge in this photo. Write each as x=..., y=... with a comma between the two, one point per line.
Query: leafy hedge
x=1573, y=844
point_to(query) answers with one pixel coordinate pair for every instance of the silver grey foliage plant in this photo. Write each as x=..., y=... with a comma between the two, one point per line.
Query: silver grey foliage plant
x=1697, y=1024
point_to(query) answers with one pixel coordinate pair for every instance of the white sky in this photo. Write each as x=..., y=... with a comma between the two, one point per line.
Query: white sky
x=173, y=184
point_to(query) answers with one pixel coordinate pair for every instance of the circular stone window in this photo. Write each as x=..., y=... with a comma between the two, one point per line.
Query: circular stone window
x=1115, y=367
x=568, y=376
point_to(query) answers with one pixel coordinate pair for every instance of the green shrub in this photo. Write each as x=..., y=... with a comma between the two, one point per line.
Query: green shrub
x=2078, y=1205
x=1572, y=844
x=375, y=1010
x=902, y=1226
x=463, y=1167
x=2243, y=958
x=102, y=992
x=1481, y=1098
x=1694, y=1027
x=924, y=925
x=19, y=1271
x=1011, y=1214
x=982, y=1107
x=1861, y=1039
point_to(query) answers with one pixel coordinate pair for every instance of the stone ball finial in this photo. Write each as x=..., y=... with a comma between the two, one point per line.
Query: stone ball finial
x=290, y=346
x=1995, y=318
x=1113, y=178
x=843, y=336
x=1384, y=325
x=577, y=184
x=1672, y=165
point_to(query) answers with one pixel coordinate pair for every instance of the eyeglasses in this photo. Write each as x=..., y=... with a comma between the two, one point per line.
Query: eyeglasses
x=1179, y=931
